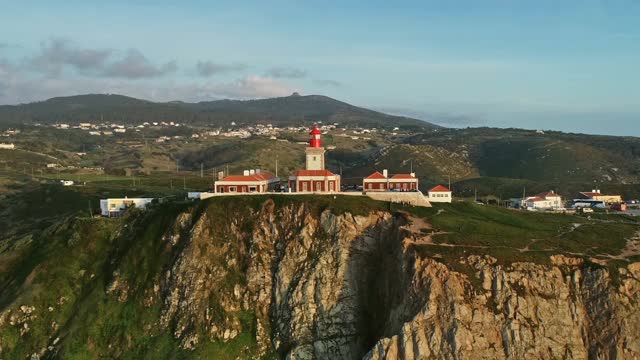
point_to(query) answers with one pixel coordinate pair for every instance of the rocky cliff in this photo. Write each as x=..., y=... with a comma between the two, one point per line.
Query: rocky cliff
x=293, y=280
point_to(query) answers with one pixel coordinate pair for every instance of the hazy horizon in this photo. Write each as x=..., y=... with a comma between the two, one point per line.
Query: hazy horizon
x=535, y=65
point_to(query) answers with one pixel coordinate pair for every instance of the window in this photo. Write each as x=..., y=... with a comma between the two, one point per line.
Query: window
x=314, y=158
x=304, y=186
x=318, y=186
x=252, y=189
x=232, y=189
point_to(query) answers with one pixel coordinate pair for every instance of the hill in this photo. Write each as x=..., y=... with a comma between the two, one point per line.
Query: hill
x=290, y=110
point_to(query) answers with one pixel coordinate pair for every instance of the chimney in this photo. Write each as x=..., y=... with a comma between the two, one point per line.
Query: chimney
x=245, y=172
x=257, y=171
x=598, y=191
x=252, y=172
x=413, y=174
x=385, y=173
x=594, y=191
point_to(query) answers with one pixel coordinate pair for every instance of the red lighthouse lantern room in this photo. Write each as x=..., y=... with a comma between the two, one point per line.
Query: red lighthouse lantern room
x=315, y=141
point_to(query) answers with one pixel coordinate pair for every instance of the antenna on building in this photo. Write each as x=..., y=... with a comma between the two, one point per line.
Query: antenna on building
x=276, y=165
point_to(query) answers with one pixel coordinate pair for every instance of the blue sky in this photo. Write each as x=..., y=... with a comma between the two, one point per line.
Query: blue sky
x=569, y=65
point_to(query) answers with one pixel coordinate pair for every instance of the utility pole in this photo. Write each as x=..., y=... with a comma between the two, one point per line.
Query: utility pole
x=276, y=166
x=184, y=183
x=475, y=190
x=171, y=183
x=90, y=210
x=201, y=170
x=411, y=162
x=449, y=176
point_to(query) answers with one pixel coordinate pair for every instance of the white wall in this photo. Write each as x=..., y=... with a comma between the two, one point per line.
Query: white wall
x=442, y=197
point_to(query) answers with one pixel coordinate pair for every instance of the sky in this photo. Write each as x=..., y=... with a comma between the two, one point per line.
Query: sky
x=562, y=65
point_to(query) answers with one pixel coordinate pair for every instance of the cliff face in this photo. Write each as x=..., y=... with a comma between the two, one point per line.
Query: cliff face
x=524, y=311
x=343, y=286
x=306, y=283
x=320, y=285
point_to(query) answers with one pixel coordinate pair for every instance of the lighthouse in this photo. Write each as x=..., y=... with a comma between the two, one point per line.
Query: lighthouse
x=314, y=178
x=315, y=151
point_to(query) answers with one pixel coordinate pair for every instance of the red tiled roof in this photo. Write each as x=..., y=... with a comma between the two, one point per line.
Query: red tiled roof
x=592, y=194
x=535, y=199
x=439, y=188
x=246, y=178
x=547, y=194
x=313, y=173
x=403, y=176
x=376, y=175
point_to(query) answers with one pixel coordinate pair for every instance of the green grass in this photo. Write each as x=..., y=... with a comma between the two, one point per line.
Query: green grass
x=512, y=236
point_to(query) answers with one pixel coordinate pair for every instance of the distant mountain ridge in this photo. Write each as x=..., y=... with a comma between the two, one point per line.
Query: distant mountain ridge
x=289, y=110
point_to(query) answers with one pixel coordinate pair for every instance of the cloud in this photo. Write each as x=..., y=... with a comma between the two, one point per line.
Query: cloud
x=209, y=68
x=286, y=72
x=18, y=85
x=55, y=54
x=328, y=83
x=136, y=66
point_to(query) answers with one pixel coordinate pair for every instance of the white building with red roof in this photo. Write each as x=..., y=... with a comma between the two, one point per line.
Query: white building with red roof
x=381, y=181
x=314, y=178
x=597, y=195
x=251, y=181
x=440, y=194
x=548, y=200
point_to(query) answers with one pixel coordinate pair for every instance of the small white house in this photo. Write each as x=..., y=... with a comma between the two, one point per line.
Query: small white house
x=440, y=194
x=7, y=146
x=544, y=201
x=66, y=182
x=115, y=207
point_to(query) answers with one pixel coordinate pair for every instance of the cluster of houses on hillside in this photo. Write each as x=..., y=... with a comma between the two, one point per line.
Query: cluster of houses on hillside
x=552, y=201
